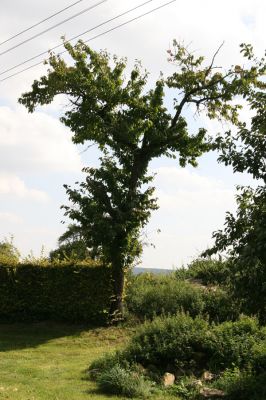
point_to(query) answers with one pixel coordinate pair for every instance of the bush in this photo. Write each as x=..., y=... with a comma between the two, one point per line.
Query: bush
x=9, y=254
x=125, y=382
x=192, y=345
x=242, y=385
x=106, y=362
x=73, y=293
x=231, y=343
x=219, y=306
x=170, y=343
x=209, y=271
x=234, y=351
x=151, y=295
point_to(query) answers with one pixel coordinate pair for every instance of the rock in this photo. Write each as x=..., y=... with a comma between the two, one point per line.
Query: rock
x=211, y=392
x=207, y=376
x=168, y=379
x=197, y=383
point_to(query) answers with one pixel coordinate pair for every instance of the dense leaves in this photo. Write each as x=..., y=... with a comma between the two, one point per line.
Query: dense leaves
x=244, y=235
x=8, y=252
x=72, y=293
x=131, y=126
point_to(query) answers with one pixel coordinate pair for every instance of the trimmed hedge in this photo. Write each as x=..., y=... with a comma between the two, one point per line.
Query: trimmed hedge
x=72, y=293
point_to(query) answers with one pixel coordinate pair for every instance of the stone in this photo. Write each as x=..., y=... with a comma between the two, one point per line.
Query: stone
x=196, y=383
x=168, y=379
x=211, y=392
x=207, y=376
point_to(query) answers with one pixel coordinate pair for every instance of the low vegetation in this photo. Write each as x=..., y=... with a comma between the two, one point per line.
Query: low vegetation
x=189, y=325
x=234, y=353
x=149, y=295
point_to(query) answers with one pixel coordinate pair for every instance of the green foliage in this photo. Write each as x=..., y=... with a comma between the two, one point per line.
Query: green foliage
x=209, y=271
x=231, y=343
x=244, y=235
x=242, y=385
x=125, y=382
x=245, y=238
x=192, y=345
x=131, y=126
x=9, y=254
x=106, y=362
x=115, y=375
x=170, y=343
x=74, y=293
x=185, y=388
x=150, y=295
x=219, y=305
x=258, y=354
x=72, y=246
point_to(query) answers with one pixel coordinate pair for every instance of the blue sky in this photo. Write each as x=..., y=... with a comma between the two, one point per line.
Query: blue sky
x=36, y=153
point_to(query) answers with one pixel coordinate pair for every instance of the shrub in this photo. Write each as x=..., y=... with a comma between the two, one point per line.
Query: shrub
x=125, y=382
x=231, y=343
x=149, y=295
x=258, y=356
x=219, y=306
x=170, y=343
x=9, y=254
x=242, y=385
x=106, y=362
x=209, y=271
x=192, y=345
x=235, y=351
x=185, y=388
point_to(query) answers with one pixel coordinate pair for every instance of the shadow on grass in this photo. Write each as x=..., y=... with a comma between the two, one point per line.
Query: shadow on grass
x=97, y=392
x=16, y=336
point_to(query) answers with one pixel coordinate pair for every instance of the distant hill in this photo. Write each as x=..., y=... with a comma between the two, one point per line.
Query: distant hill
x=140, y=270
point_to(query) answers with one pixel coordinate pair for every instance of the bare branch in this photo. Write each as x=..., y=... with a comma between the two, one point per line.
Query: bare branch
x=213, y=59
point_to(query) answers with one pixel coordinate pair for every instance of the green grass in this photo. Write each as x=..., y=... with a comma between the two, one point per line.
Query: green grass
x=47, y=361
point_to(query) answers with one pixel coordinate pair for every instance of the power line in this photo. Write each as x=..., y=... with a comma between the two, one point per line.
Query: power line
x=75, y=37
x=95, y=37
x=52, y=27
x=40, y=22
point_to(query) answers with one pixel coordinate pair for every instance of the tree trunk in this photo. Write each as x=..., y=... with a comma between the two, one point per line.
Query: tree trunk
x=117, y=306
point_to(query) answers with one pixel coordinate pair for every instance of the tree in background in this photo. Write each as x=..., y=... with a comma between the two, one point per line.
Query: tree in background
x=244, y=235
x=8, y=252
x=131, y=126
x=71, y=246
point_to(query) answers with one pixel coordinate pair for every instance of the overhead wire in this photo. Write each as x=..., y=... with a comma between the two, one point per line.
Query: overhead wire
x=76, y=37
x=52, y=27
x=95, y=37
x=40, y=22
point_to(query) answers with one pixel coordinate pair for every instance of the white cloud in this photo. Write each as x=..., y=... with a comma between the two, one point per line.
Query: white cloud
x=10, y=218
x=191, y=208
x=35, y=142
x=14, y=186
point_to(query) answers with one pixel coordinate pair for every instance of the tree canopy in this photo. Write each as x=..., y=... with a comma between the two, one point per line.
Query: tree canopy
x=244, y=235
x=131, y=126
x=8, y=252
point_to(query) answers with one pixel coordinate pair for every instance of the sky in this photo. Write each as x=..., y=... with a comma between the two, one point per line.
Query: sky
x=36, y=153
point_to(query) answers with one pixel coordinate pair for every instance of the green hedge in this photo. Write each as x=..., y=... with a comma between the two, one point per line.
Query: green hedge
x=73, y=293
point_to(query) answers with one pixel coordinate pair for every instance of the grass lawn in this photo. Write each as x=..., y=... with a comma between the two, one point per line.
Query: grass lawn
x=47, y=361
